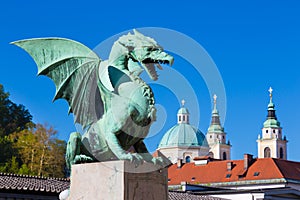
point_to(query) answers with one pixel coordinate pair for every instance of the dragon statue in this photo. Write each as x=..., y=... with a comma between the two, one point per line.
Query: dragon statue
x=108, y=98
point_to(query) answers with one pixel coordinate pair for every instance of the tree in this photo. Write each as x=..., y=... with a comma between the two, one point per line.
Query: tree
x=6, y=150
x=27, y=148
x=13, y=117
x=40, y=151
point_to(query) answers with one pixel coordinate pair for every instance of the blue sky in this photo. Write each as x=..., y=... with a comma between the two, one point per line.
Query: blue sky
x=254, y=45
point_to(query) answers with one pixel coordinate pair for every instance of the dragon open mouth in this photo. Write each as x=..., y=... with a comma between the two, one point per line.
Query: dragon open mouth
x=150, y=64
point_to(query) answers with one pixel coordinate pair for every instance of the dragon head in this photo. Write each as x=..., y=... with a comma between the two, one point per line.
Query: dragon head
x=143, y=53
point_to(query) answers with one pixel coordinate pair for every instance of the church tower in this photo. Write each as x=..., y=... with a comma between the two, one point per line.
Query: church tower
x=271, y=144
x=216, y=137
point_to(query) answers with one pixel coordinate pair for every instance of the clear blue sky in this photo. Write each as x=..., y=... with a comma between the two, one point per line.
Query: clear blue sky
x=254, y=44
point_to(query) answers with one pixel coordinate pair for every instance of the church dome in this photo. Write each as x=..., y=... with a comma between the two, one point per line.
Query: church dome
x=183, y=135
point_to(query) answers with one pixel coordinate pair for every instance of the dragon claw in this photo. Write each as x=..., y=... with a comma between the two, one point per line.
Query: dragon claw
x=135, y=158
x=82, y=159
x=158, y=161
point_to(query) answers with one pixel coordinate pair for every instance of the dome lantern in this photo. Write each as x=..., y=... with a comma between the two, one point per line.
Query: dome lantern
x=183, y=114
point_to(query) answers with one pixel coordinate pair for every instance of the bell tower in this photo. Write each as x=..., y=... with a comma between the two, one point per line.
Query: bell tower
x=271, y=144
x=216, y=137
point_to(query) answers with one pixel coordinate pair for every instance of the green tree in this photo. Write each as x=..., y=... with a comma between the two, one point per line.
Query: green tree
x=40, y=151
x=13, y=117
x=27, y=148
x=11, y=166
x=6, y=150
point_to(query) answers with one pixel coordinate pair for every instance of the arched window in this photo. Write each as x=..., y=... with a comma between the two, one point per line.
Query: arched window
x=281, y=152
x=267, y=152
x=224, y=156
x=187, y=159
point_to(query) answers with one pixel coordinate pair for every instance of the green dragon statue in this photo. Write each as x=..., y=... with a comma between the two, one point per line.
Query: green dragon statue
x=108, y=98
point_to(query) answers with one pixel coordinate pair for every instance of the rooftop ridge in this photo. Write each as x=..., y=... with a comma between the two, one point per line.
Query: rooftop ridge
x=283, y=160
x=33, y=176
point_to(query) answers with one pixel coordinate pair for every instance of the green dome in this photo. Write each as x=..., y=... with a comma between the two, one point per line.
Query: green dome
x=216, y=128
x=183, y=110
x=271, y=123
x=183, y=135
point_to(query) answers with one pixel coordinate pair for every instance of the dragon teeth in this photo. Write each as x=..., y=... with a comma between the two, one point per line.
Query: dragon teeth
x=159, y=66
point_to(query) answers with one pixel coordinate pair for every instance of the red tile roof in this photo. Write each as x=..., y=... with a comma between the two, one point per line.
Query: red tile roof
x=289, y=169
x=216, y=171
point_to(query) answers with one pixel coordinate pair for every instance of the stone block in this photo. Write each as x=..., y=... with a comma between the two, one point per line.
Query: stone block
x=118, y=180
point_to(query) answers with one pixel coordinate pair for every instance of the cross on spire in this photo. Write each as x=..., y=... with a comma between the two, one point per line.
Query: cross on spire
x=271, y=93
x=215, y=104
x=182, y=102
x=215, y=98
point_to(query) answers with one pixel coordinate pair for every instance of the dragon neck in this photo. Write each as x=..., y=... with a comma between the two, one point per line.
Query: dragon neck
x=119, y=58
x=148, y=94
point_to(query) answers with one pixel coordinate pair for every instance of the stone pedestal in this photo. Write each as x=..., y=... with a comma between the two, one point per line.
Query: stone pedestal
x=118, y=180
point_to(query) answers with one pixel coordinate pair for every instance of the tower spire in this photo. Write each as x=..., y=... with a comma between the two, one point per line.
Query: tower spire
x=271, y=106
x=216, y=137
x=271, y=117
x=215, y=121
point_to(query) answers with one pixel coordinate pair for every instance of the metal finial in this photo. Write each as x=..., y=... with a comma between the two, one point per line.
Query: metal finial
x=271, y=92
x=215, y=98
x=182, y=102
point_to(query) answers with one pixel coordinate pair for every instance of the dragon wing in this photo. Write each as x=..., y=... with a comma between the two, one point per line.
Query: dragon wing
x=73, y=69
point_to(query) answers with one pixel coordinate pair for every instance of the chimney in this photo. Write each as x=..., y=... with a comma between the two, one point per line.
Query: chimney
x=179, y=163
x=248, y=158
x=183, y=185
x=229, y=166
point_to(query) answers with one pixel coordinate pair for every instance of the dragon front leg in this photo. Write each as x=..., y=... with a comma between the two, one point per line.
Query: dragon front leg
x=141, y=149
x=74, y=152
x=119, y=152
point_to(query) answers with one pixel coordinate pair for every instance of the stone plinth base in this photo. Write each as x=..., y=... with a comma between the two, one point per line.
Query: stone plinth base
x=118, y=180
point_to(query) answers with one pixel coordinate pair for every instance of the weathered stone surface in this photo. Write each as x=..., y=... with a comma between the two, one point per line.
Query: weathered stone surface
x=118, y=180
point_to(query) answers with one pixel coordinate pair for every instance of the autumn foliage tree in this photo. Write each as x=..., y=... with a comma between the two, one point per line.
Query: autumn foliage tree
x=26, y=148
x=40, y=151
